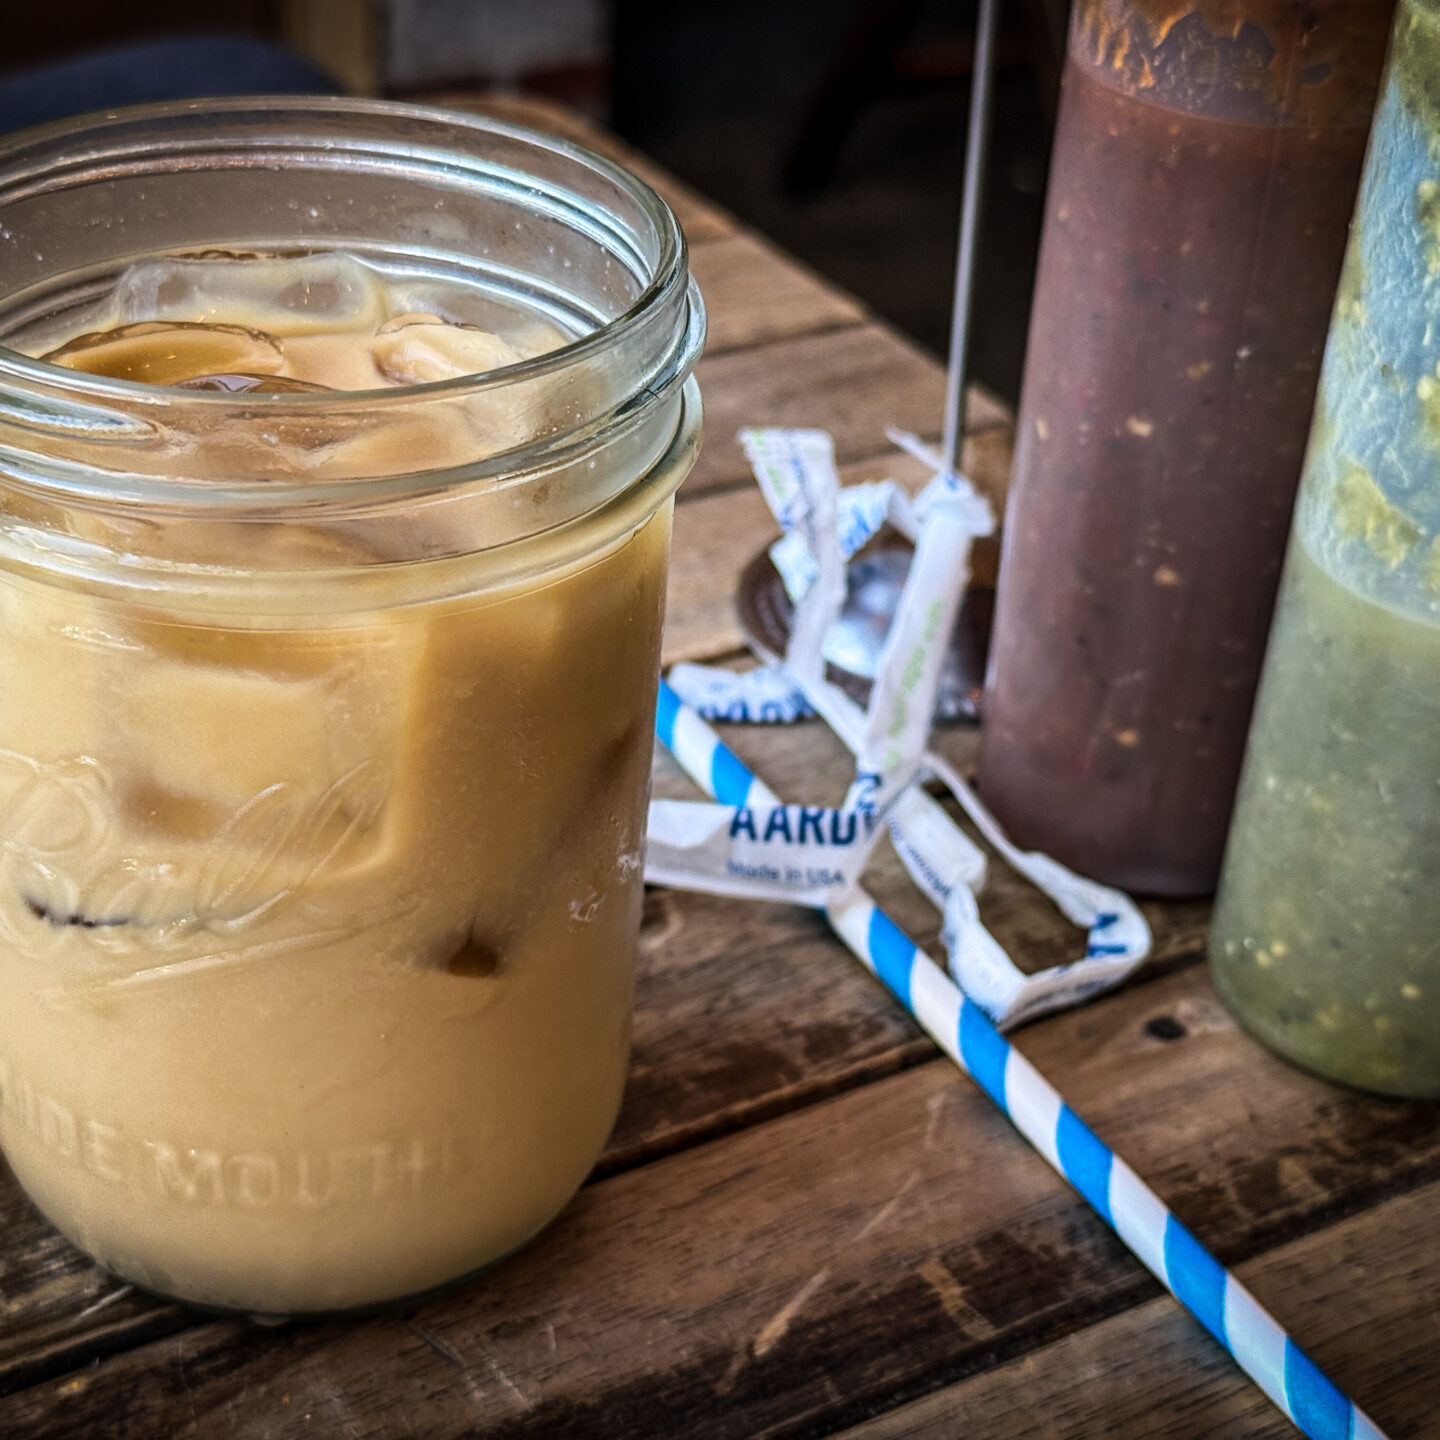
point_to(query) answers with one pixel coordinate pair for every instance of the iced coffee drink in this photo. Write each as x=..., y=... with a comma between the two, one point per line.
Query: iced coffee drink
x=322, y=823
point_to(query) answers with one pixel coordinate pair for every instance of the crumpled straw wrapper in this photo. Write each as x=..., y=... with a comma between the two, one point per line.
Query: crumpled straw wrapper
x=815, y=855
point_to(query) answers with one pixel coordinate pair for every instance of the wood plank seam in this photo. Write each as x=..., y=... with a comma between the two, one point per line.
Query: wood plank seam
x=1132, y=1377
x=833, y=327
x=68, y=1356
x=1045, y=1328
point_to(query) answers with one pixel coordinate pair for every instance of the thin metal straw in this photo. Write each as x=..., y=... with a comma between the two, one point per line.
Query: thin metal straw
x=977, y=145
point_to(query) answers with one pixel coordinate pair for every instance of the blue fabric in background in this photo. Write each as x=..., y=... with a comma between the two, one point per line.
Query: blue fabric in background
x=163, y=70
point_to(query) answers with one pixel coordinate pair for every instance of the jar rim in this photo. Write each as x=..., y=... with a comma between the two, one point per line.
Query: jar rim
x=671, y=269
x=535, y=221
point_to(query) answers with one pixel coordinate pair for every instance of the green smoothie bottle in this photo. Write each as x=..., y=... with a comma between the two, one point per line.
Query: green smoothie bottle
x=1326, y=939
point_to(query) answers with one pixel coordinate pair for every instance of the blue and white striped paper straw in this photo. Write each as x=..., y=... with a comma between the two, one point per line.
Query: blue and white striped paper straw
x=1140, y=1218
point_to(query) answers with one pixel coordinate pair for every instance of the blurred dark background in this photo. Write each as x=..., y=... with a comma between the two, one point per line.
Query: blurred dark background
x=836, y=127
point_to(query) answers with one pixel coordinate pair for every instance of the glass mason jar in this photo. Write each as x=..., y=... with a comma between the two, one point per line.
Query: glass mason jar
x=324, y=739
x=1204, y=171
x=1326, y=938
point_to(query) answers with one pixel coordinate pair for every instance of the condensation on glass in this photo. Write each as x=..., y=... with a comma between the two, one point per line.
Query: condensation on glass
x=1204, y=171
x=1326, y=939
x=327, y=717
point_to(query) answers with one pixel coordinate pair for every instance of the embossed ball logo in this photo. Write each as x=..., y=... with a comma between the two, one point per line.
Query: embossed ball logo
x=77, y=872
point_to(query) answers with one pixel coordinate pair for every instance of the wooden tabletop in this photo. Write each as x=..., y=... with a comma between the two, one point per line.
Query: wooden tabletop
x=807, y=1223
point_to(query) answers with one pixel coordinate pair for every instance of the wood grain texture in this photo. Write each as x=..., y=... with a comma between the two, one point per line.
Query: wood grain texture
x=718, y=534
x=701, y=219
x=804, y=1273
x=1361, y=1293
x=852, y=382
x=754, y=294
